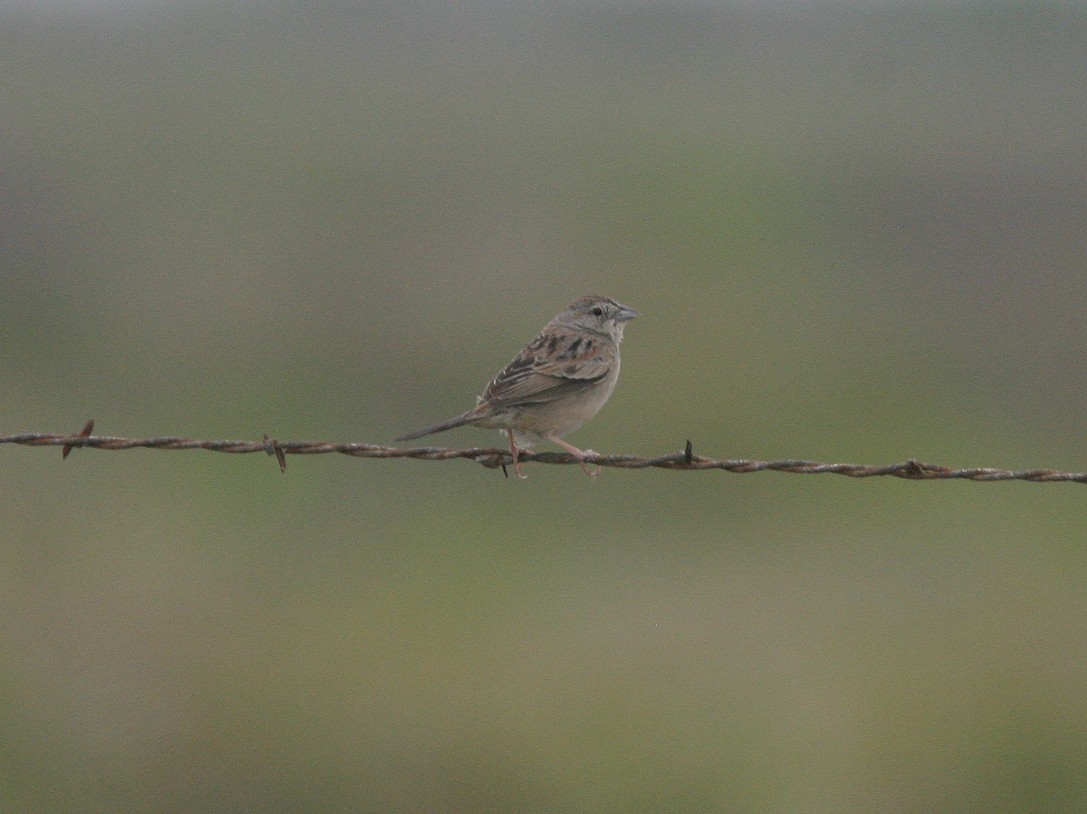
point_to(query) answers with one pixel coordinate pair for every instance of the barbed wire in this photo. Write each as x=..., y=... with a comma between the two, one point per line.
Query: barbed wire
x=684, y=460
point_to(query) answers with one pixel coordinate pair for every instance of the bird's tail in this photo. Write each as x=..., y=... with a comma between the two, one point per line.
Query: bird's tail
x=464, y=418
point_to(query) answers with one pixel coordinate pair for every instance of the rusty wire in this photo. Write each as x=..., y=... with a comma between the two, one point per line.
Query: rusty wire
x=494, y=458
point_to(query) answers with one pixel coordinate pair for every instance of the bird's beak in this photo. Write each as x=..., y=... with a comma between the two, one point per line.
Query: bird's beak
x=625, y=314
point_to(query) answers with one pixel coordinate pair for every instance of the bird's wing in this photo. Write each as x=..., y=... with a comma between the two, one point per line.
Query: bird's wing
x=551, y=365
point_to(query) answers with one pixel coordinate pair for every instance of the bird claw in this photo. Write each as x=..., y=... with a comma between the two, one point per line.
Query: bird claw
x=594, y=472
x=515, y=454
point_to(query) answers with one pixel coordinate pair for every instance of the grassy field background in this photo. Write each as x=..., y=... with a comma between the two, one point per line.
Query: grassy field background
x=854, y=232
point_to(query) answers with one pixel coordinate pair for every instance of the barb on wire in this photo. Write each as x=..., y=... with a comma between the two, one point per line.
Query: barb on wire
x=499, y=458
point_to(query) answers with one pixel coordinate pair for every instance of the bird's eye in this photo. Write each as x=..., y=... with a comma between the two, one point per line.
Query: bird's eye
x=598, y=311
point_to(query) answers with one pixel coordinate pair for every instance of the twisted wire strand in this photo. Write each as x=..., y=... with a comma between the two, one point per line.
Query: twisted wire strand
x=494, y=458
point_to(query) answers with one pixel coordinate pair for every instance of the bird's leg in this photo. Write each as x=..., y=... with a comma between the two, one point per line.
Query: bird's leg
x=577, y=453
x=516, y=455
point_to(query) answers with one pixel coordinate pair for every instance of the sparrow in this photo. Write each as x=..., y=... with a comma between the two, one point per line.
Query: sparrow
x=558, y=381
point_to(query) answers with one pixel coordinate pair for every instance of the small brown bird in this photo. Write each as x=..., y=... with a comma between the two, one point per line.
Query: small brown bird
x=558, y=382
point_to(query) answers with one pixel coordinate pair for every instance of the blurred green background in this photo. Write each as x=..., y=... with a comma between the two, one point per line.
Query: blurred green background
x=855, y=231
